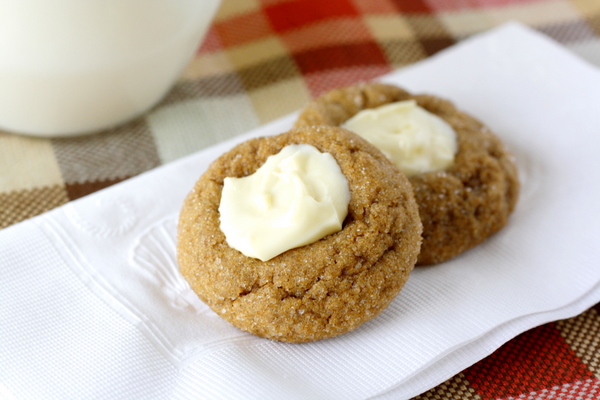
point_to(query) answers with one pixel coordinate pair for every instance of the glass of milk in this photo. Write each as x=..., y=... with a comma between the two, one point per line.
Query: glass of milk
x=69, y=67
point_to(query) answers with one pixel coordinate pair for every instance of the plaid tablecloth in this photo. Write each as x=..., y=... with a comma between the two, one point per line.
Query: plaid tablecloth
x=263, y=59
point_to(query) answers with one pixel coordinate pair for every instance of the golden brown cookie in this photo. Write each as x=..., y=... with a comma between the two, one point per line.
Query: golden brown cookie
x=459, y=207
x=318, y=290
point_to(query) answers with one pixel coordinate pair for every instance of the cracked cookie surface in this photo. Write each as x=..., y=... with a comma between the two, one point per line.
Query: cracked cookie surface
x=459, y=207
x=319, y=290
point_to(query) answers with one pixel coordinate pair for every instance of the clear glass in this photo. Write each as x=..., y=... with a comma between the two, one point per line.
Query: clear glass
x=69, y=67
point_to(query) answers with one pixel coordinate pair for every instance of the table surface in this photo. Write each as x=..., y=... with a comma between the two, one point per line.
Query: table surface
x=263, y=59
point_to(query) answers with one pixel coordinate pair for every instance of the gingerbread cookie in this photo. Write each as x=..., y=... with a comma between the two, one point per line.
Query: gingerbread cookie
x=460, y=206
x=321, y=289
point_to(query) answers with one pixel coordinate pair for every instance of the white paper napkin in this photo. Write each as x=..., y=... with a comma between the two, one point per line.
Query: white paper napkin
x=92, y=305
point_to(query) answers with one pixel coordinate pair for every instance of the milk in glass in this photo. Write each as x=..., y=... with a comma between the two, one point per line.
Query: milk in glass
x=69, y=67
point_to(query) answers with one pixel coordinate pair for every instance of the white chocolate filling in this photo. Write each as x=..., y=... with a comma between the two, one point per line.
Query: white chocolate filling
x=296, y=197
x=416, y=140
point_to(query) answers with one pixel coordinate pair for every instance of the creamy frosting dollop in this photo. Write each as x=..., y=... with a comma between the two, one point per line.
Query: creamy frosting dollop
x=296, y=197
x=415, y=139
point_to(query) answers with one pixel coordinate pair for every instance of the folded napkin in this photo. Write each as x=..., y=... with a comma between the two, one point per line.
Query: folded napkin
x=92, y=304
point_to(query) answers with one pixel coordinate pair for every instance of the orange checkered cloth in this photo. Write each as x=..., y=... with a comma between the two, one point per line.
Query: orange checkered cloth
x=263, y=59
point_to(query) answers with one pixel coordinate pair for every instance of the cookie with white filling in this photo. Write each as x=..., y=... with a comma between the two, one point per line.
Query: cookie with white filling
x=460, y=205
x=317, y=290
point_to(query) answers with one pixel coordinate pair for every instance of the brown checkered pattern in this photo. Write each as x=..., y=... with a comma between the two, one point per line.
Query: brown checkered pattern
x=263, y=59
